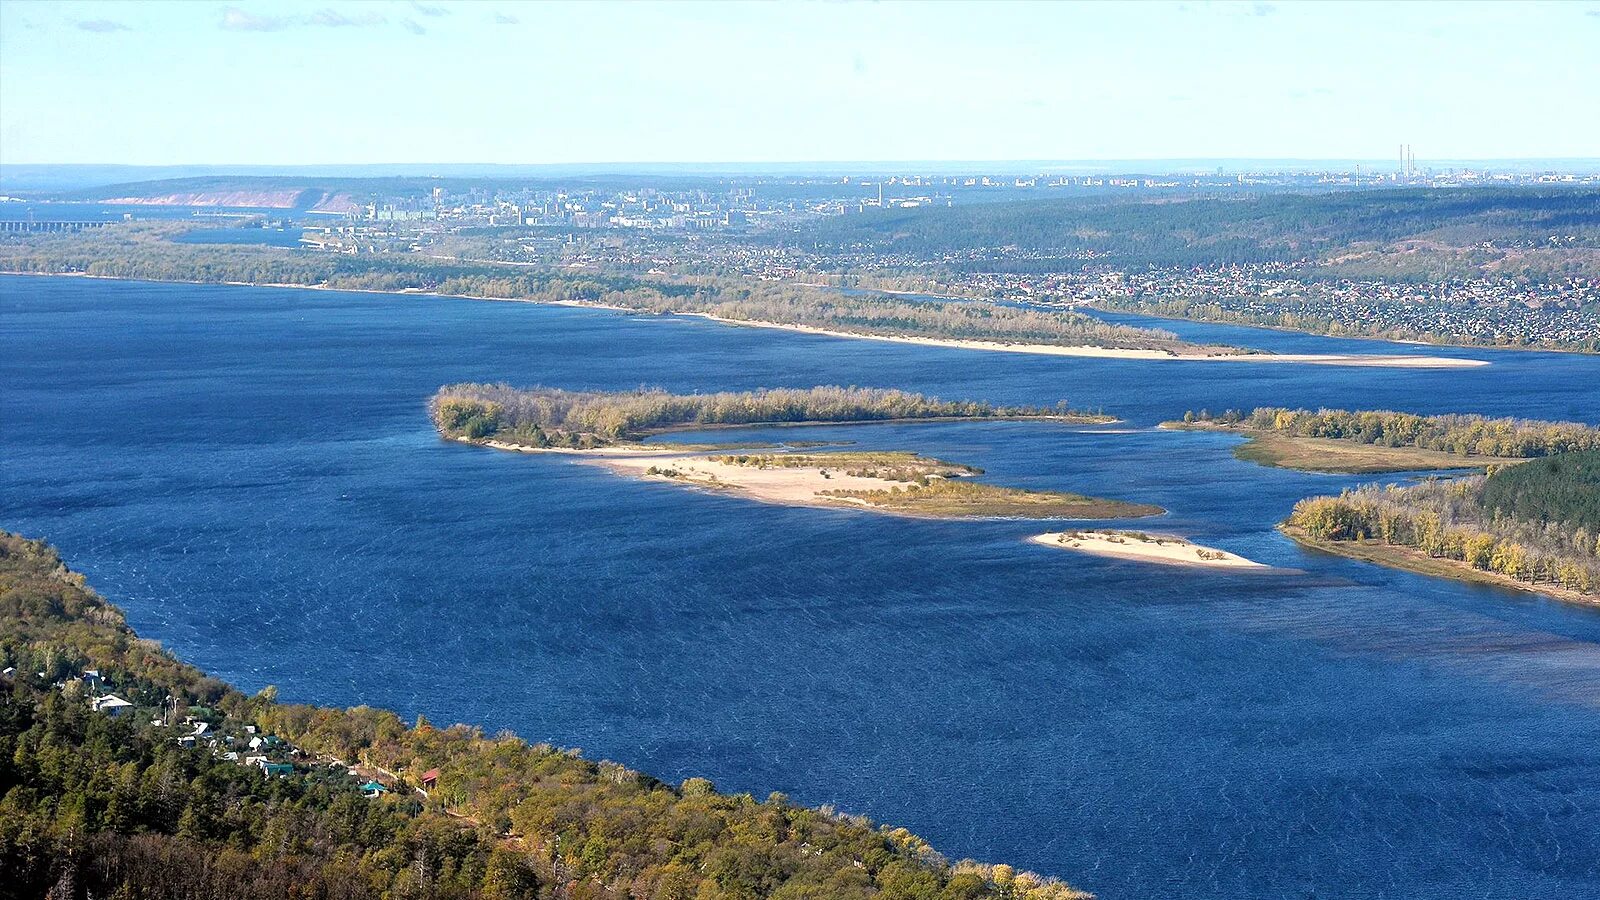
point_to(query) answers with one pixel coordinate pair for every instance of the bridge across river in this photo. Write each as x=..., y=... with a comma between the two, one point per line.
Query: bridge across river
x=29, y=226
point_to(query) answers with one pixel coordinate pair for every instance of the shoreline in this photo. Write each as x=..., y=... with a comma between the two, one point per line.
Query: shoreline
x=1419, y=563
x=1374, y=360
x=1149, y=548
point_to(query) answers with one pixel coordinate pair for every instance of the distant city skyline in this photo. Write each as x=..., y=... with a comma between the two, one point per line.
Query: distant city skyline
x=344, y=83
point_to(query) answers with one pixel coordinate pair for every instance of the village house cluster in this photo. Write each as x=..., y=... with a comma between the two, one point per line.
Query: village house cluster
x=197, y=727
x=1499, y=310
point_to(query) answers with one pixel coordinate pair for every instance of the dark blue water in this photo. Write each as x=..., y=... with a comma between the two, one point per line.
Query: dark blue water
x=271, y=237
x=250, y=473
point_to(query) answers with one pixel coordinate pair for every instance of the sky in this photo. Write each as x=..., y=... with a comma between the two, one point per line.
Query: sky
x=395, y=81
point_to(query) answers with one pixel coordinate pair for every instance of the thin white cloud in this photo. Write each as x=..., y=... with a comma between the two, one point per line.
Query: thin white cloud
x=505, y=19
x=424, y=9
x=236, y=19
x=102, y=26
x=329, y=18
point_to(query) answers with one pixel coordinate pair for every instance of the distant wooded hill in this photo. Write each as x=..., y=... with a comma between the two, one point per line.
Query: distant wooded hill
x=1257, y=228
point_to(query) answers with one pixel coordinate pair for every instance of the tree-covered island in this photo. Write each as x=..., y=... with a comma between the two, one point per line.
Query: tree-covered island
x=125, y=773
x=543, y=417
x=612, y=426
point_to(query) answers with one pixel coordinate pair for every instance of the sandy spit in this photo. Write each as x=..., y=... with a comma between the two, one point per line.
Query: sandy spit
x=1163, y=549
x=1404, y=361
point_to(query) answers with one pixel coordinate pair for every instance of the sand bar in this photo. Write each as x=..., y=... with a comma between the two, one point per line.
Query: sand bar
x=1152, y=548
x=790, y=485
x=793, y=486
x=1379, y=360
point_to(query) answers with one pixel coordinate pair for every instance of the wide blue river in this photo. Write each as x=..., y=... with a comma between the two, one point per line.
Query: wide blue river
x=250, y=473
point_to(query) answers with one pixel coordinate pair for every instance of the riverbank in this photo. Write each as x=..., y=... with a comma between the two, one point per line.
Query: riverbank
x=1151, y=548
x=1397, y=557
x=470, y=813
x=1405, y=361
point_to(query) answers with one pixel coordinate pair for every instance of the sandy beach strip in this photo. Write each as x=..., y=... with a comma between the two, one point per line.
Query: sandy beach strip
x=788, y=485
x=1379, y=360
x=1162, y=549
x=792, y=486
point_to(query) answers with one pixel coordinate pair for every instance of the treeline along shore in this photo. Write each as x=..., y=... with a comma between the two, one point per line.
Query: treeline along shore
x=127, y=773
x=1537, y=524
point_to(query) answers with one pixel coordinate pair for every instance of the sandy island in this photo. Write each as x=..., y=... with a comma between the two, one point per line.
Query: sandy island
x=1151, y=548
x=774, y=484
x=901, y=484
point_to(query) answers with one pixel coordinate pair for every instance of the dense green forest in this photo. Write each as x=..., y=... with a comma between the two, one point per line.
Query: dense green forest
x=1564, y=490
x=1258, y=228
x=144, y=251
x=1538, y=523
x=1463, y=435
x=133, y=806
x=549, y=417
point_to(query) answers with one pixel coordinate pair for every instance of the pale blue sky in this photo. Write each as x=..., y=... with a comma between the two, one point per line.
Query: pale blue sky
x=507, y=82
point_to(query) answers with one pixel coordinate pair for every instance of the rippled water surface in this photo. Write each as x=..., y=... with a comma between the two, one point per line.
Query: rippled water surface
x=250, y=473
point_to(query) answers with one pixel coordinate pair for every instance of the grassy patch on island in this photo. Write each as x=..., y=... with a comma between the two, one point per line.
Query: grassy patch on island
x=1365, y=442
x=945, y=498
x=890, y=465
x=1308, y=454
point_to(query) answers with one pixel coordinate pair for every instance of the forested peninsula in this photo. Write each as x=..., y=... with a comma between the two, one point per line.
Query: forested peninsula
x=108, y=788
x=1375, y=441
x=1535, y=525
x=611, y=426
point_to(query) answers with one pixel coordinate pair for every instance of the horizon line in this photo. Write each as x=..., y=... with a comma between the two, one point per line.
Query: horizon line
x=800, y=162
